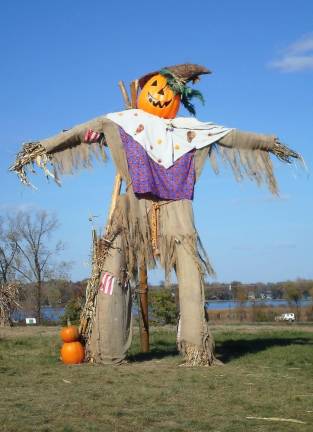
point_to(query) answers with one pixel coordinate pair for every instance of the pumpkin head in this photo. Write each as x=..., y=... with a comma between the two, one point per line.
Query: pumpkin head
x=72, y=353
x=158, y=98
x=69, y=334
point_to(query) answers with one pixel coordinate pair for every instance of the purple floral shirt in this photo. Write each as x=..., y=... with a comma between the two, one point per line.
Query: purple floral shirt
x=148, y=177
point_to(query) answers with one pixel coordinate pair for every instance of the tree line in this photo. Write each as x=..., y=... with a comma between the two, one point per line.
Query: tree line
x=32, y=274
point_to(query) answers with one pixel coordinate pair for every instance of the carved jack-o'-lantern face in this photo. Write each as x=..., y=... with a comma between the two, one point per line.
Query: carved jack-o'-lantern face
x=158, y=98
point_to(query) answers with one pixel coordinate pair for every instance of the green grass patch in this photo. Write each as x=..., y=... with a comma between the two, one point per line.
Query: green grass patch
x=267, y=372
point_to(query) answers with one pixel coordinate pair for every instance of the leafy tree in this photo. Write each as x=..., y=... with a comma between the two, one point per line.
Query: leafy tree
x=72, y=311
x=163, y=307
x=294, y=294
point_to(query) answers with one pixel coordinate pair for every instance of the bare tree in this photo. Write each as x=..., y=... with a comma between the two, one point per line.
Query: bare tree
x=9, y=291
x=30, y=235
x=7, y=253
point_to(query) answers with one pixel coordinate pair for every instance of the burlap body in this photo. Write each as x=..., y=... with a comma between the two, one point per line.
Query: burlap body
x=178, y=249
x=179, y=246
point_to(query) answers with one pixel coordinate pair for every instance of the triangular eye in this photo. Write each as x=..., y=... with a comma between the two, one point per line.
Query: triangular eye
x=155, y=83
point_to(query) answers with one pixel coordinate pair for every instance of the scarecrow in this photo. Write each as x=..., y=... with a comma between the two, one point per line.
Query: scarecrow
x=159, y=157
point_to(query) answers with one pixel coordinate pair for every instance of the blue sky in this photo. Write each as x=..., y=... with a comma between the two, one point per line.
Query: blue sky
x=61, y=61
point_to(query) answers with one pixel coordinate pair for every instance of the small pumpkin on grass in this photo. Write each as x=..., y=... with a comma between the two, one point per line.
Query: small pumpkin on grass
x=69, y=333
x=72, y=351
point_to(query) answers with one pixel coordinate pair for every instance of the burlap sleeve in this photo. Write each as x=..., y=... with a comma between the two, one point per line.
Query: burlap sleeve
x=248, y=140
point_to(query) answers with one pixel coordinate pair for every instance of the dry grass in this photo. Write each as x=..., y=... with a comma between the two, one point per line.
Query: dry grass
x=267, y=373
x=259, y=313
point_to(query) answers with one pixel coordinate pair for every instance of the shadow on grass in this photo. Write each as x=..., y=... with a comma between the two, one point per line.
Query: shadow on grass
x=226, y=350
x=162, y=349
x=229, y=350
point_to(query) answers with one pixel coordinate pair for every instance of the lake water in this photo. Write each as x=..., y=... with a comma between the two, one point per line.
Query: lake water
x=231, y=304
x=47, y=312
x=55, y=313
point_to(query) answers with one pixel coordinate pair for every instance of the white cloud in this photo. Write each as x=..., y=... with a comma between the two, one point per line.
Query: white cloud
x=303, y=45
x=298, y=56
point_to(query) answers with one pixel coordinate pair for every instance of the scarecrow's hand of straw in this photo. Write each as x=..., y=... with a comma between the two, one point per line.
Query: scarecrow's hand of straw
x=283, y=152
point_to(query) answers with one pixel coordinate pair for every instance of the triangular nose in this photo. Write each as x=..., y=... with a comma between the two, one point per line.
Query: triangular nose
x=161, y=92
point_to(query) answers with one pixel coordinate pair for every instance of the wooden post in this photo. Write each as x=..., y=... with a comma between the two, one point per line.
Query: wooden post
x=125, y=94
x=143, y=306
x=118, y=179
x=133, y=93
x=116, y=191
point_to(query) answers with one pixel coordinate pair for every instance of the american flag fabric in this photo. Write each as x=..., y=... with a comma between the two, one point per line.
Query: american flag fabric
x=107, y=283
x=91, y=136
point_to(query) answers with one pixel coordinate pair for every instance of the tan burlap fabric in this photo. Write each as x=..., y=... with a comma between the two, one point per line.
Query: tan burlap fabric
x=178, y=243
x=112, y=332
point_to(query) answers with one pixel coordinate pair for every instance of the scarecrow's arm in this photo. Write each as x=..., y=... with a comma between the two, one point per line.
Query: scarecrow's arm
x=65, y=152
x=249, y=156
x=237, y=139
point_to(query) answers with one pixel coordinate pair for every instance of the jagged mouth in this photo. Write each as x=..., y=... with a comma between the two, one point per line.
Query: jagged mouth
x=157, y=103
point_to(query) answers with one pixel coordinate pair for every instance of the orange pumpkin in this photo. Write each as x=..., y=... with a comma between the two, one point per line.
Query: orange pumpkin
x=72, y=353
x=158, y=98
x=69, y=333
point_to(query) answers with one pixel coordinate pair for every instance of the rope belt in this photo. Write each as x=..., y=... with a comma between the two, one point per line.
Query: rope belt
x=154, y=225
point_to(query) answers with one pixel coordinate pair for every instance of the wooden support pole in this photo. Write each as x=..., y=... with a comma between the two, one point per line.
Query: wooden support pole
x=133, y=93
x=125, y=94
x=116, y=191
x=118, y=179
x=143, y=306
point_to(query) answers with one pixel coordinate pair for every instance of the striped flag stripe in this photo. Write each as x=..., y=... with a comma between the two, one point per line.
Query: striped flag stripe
x=107, y=283
x=103, y=280
x=91, y=136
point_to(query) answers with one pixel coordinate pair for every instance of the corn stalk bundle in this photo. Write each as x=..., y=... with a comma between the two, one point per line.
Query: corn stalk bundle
x=32, y=153
x=9, y=295
x=100, y=249
x=284, y=153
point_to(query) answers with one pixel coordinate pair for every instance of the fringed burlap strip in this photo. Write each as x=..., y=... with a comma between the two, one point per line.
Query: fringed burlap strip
x=248, y=154
x=256, y=165
x=193, y=246
x=73, y=158
x=197, y=356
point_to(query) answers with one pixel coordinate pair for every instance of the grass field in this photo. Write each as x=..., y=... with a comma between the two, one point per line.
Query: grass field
x=267, y=372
